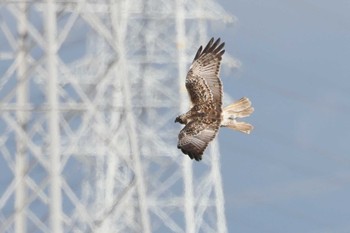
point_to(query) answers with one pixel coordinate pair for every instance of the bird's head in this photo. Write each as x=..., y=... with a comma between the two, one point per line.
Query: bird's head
x=179, y=119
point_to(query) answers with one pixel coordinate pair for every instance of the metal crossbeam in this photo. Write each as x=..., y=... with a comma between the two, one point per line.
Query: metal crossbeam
x=89, y=91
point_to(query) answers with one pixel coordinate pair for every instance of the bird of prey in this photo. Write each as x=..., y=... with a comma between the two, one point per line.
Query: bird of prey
x=207, y=114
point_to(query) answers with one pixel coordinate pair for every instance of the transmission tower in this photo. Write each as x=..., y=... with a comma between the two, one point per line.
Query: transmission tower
x=89, y=92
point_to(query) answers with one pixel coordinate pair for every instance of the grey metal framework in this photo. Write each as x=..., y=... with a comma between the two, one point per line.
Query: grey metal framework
x=89, y=91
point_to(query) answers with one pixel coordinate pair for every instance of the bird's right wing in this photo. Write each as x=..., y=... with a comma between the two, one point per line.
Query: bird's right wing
x=195, y=137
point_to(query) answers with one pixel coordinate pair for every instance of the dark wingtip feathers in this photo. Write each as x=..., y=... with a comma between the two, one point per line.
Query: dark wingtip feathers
x=198, y=53
x=212, y=47
x=197, y=157
x=219, y=48
x=216, y=43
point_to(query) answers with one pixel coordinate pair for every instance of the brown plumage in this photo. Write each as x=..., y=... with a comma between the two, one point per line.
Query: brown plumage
x=206, y=115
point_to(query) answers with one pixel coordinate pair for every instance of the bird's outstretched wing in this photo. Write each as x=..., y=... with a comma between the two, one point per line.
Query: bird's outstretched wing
x=195, y=137
x=202, y=81
x=205, y=90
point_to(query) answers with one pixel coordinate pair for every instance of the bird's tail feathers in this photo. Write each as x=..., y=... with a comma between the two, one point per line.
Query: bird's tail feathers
x=241, y=108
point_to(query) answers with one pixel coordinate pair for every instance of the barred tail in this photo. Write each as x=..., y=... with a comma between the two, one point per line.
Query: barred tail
x=241, y=108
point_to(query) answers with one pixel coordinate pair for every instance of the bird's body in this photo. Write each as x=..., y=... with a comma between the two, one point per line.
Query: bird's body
x=206, y=115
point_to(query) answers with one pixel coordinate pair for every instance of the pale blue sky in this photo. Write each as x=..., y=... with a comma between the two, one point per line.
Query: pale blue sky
x=292, y=173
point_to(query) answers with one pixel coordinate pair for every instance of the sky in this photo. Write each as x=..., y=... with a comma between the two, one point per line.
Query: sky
x=291, y=174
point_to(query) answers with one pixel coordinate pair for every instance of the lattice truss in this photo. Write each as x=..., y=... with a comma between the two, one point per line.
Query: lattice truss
x=89, y=92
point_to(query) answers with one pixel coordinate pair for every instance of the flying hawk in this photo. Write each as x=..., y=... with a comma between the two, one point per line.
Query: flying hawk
x=207, y=113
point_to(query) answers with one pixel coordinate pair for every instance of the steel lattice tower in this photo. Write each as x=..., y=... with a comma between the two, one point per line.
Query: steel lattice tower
x=89, y=91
